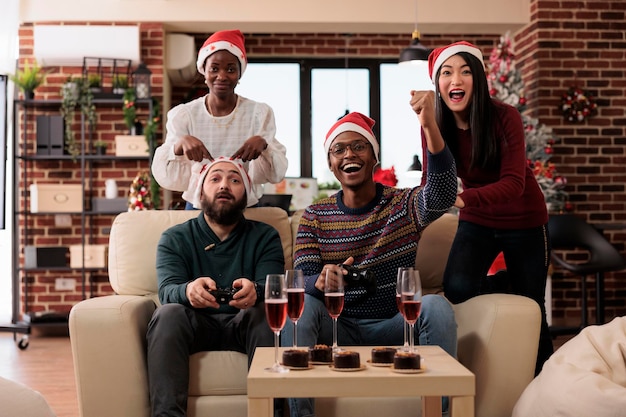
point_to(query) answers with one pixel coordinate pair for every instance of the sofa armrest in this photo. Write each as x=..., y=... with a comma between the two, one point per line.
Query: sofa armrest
x=108, y=339
x=498, y=337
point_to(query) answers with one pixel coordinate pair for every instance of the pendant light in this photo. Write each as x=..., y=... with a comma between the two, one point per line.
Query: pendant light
x=415, y=53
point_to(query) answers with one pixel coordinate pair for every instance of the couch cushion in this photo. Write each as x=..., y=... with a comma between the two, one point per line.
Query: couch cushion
x=432, y=252
x=218, y=373
x=135, y=235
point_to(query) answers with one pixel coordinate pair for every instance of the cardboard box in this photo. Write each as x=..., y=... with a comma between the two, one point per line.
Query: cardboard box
x=56, y=198
x=128, y=145
x=109, y=205
x=95, y=256
x=45, y=256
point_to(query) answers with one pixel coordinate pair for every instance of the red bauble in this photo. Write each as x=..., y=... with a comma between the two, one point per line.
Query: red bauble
x=548, y=150
x=522, y=100
x=503, y=78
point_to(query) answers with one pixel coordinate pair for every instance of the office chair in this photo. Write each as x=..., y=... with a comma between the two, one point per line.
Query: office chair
x=568, y=231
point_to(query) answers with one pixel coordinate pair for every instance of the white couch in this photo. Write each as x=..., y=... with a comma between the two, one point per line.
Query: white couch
x=498, y=334
x=18, y=400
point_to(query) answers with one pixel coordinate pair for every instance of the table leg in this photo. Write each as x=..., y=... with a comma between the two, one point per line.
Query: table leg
x=431, y=406
x=260, y=407
x=462, y=406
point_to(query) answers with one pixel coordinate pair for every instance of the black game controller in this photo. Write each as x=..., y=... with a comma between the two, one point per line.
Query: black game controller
x=223, y=295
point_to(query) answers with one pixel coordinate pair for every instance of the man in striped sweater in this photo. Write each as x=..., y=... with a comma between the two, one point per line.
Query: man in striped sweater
x=376, y=228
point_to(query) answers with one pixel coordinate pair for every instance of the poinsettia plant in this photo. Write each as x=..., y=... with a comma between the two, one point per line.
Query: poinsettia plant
x=386, y=176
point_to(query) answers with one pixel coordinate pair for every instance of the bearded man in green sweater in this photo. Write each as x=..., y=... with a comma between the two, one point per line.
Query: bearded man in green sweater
x=219, y=249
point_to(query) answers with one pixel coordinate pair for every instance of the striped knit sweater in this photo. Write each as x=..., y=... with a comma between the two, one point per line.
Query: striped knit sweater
x=382, y=236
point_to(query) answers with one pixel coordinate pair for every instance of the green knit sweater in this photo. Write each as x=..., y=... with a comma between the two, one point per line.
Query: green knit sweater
x=191, y=250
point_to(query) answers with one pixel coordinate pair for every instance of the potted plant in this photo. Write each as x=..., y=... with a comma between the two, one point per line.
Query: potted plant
x=72, y=86
x=29, y=78
x=69, y=102
x=120, y=84
x=94, y=82
x=100, y=147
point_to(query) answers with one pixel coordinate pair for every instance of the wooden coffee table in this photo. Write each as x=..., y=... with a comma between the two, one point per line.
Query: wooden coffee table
x=442, y=376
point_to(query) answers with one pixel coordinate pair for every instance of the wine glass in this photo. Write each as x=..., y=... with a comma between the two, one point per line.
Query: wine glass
x=410, y=300
x=405, y=346
x=333, y=298
x=276, y=312
x=294, y=279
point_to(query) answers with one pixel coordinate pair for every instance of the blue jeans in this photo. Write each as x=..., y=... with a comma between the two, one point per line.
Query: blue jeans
x=436, y=326
x=527, y=257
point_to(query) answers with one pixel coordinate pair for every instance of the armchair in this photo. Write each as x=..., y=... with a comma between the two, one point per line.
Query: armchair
x=498, y=333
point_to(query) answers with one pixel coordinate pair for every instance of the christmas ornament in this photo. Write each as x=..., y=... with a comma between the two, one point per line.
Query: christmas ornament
x=577, y=105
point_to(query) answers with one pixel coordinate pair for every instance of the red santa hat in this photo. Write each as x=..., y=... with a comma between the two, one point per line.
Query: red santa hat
x=224, y=40
x=353, y=122
x=439, y=55
x=199, y=172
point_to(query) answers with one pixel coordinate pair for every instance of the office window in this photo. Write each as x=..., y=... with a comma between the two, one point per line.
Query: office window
x=278, y=84
x=333, y=92
x=308, y=96
x=400, y=128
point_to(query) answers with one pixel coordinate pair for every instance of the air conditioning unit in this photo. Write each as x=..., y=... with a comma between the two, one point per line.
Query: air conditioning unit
x=180, y=59
x=59, y=45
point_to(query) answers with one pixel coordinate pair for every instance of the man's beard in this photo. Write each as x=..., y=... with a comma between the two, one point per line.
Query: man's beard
x=225, y=214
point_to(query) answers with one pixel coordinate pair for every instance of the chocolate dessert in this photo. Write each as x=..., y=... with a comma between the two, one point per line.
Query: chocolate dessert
x=406, y=360
x=296, y=358
x=346, y=359
x=321, y=353
x=383, y=354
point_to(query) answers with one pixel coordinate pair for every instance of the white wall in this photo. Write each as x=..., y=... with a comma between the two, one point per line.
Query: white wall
x=271, y=16
x=8, y=55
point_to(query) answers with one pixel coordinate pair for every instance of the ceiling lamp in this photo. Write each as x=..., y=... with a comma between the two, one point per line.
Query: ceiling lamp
x=416, y=53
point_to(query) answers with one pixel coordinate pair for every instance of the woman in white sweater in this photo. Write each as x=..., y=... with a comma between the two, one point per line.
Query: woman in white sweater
x=221, y=123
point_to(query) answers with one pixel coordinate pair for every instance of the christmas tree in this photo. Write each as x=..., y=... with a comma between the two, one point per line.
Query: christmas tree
x=505, y=84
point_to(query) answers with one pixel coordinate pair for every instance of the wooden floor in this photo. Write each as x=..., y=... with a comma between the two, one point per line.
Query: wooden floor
x=46, y=366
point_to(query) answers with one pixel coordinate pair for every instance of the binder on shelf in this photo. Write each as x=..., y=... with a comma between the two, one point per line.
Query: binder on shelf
x=45, y=256
x=49, y=135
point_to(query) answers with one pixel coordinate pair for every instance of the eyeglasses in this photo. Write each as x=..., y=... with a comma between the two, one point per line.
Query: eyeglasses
x=358, y=147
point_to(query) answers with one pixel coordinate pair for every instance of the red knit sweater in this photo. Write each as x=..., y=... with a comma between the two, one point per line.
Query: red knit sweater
x=507, y=197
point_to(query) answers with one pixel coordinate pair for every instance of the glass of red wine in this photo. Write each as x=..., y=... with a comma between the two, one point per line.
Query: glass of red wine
x=405, y=346
x=294, y=279
x=333, y=297
x=276, y=312
x=410, y=300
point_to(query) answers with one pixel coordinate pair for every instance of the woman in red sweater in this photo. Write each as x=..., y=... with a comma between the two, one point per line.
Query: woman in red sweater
x=502, y=208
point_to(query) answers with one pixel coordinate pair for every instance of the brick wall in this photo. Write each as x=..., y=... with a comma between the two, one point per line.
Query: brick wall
x=41, y=228
x=566, y=43
x=582, y=43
